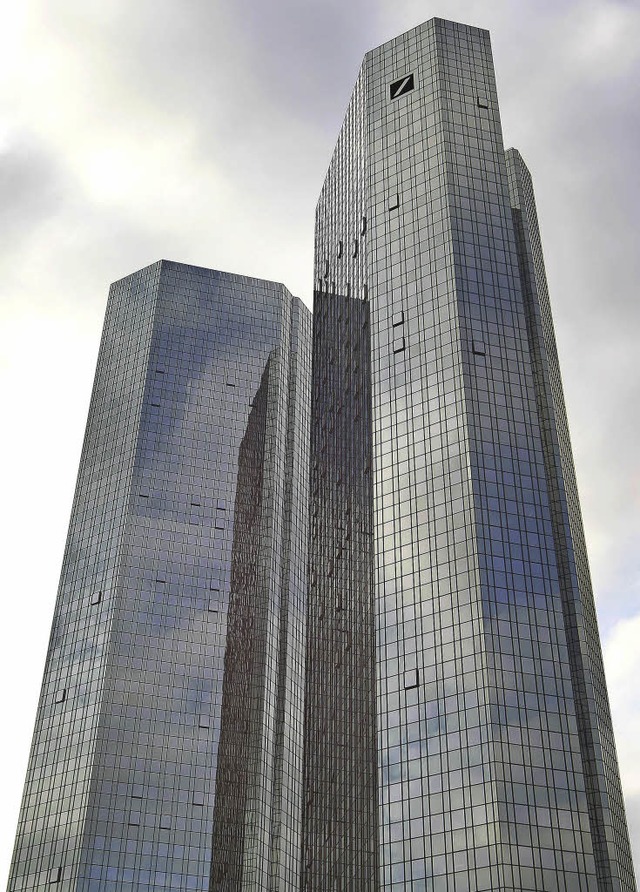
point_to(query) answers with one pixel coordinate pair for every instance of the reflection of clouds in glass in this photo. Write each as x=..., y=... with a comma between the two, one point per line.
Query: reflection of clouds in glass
x=141, y=667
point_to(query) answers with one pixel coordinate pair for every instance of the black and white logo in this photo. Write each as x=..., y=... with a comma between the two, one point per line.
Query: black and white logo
x=401, y=86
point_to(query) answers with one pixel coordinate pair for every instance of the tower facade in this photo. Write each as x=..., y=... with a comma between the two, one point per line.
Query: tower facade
x=161, y=759
x=473, y=611
x=325, y=619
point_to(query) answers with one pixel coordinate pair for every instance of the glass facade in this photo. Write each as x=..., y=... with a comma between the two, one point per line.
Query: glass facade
x=178, y=637
x=340, y=819
x=325, y=619
x=496, y=762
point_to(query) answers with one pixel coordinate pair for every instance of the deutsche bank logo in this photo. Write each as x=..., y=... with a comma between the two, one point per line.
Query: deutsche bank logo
x=401, y=86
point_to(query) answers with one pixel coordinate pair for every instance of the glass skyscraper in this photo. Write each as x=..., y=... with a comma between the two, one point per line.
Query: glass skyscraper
x=160, y=757
x=465, y=581
x=325, y=619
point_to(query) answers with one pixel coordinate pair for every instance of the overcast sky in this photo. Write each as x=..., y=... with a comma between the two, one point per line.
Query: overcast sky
x=200, y=131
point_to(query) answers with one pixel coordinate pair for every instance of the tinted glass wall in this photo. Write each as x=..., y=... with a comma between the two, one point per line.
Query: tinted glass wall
x=496, y=765
x=189, y=529
x=340, y=776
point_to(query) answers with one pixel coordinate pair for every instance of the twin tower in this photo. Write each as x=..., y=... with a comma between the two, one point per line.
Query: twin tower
x=325, y=619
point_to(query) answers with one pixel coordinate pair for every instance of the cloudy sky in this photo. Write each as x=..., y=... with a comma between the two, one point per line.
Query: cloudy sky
x=200, y=131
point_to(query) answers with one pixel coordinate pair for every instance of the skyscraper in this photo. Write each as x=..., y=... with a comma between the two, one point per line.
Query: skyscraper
x=451, y=581
x=325, y=619
x=160, y=756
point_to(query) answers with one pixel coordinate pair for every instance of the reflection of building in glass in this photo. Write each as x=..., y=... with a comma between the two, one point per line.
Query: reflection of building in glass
x=242, y=722
x=122, y=777
x=496, y=761
x=444, y=673
x=257, y=816
x=340, y=758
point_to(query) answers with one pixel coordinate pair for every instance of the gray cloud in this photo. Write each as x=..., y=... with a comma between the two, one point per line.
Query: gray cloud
x=31, y=188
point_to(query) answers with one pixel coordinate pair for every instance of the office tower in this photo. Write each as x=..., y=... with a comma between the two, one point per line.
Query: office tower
x=161, y=758
x=469, y=610
x=456, y=727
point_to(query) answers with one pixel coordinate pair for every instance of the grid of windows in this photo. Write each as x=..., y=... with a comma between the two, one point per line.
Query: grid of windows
x=341, y=820
x=490, y=694
x=122, y=791
x=455, y=731
x=340, y=840
x=604, y=794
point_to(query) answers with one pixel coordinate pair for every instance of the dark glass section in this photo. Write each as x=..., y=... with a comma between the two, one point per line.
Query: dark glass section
x=121, y=789
x=340, y=821
x=242, y=696
x=262, y=697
